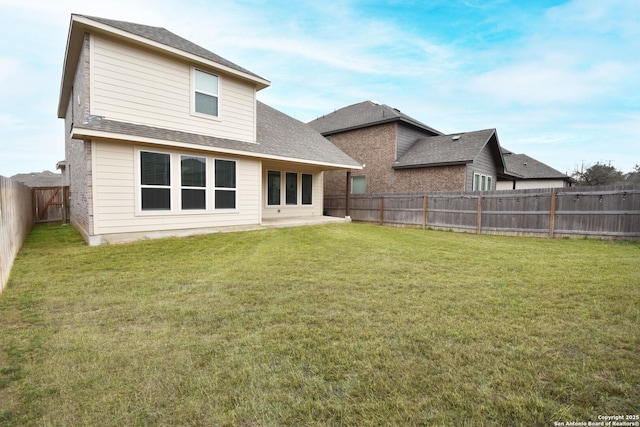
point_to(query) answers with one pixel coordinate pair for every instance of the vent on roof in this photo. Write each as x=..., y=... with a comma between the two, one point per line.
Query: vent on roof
x=455, y=137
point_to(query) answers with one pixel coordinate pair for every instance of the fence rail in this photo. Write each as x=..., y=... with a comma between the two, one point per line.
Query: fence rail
x=607, y=212
x=16, y=221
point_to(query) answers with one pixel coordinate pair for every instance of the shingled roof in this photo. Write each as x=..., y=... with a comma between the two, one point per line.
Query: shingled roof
x=167, y=38
x=279, y=136
x=459, y=148
x=530, y=168
x=364, y=114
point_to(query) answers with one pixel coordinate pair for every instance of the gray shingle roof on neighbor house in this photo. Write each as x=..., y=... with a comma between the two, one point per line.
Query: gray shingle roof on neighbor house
x=530, y=168
x=363, y=114
x=167, y=38
x=451, y=149
x=39, y=179
x=278, y=135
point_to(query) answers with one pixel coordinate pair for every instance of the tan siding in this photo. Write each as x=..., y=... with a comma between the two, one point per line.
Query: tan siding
x=117, y=192
x=140, y=86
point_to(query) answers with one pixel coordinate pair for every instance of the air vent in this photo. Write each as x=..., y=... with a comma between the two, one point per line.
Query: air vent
x=455, y=137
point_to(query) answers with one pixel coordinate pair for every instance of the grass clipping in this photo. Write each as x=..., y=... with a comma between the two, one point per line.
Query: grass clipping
x=328, y=325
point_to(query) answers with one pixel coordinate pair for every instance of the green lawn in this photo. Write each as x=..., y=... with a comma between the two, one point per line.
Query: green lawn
x=347, y=324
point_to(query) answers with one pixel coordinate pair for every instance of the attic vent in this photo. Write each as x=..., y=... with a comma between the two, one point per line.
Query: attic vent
x=455, y=137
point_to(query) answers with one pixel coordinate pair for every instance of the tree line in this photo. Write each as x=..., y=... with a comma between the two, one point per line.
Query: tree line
x=603, y=174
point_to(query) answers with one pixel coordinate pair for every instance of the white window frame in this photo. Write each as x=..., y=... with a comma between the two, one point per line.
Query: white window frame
x=227, y=189
x=353, y=178
x=141, y=186
x=183, y=187
x=482, y=182
x=194, y=90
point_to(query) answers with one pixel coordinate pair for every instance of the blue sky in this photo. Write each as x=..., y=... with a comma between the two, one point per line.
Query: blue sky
x=559, y=80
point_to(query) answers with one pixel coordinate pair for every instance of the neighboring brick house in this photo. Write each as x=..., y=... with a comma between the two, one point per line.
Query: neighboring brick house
x=401, y=154
x=164, y=137
x=525, y=172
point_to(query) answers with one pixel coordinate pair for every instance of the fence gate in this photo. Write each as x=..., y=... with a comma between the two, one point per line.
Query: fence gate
x=51, y=204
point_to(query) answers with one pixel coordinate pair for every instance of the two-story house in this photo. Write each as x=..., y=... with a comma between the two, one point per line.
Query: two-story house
x=401, y=154
x=163, y=137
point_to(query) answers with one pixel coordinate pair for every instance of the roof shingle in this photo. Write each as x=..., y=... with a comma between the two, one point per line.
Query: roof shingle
x=363, y=114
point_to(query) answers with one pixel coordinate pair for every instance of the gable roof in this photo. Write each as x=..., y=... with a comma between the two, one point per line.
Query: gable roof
x=39, y=179
x=526, y=167
x=279, y=137
x=454, y=149
x=364, y=114
x=152, y=37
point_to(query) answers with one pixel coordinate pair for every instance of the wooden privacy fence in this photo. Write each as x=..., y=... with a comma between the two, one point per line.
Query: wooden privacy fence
x=609, y=212
x=16, y=222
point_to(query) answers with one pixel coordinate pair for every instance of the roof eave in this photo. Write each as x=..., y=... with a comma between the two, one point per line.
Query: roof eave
x=429, y=165
x=381, y=122
x=81, y=133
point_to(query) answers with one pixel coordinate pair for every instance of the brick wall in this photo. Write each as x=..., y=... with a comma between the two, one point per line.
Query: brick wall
x=78, y=152
x=375, y=147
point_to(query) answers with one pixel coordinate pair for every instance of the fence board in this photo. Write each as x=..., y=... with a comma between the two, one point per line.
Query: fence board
x=16, y=221
x=609, y=212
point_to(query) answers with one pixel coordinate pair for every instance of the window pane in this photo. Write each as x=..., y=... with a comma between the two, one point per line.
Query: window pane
x=225, y=199
x=489, y=183
x=206, y=82
x=358, y=185
x=476, y=182
x=155, y=168
x=156, y=199
x=206, y=104
x=193, y=199
x=193, y=170
x=484, y=183
x=273, y=188
x=225, y=174
x=307, y=189
x=292, y=188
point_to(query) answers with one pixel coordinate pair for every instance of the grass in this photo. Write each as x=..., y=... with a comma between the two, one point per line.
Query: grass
x=328, y=325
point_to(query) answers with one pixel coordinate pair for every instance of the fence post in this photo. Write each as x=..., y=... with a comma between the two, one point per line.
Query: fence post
x=381, y=210
x=424, y=212
x=479, y=219
x=552, y=215
x=347, y=212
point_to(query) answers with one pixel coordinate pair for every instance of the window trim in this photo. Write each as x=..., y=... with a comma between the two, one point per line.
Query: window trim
x=481, y=182
x=140, y=186
x=302, y=192
x=286, y=188
x=227, y=189
x=364, y=178
x=183, y=187
x=194, y=70
x=269, y=204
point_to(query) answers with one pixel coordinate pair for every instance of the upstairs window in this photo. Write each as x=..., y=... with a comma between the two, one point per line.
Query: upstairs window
x=155, y=181
x=206, y=93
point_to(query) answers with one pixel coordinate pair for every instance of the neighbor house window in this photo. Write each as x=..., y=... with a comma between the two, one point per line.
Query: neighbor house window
x=291, y=196
x=307, y=189
x=193, y=173
x=155, y=181
x=273, y=188
x=482, y=182
x=358, y=185
x=225, y=184
x=206, y=93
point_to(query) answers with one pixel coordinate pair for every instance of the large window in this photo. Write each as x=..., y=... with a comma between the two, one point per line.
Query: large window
x=292, y=188
x=307, y=189
x=206, y=93
x=193, y=172
x=482, y=182
x=155, y=181
x=225, y=184
x=273, y=188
